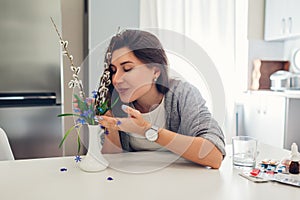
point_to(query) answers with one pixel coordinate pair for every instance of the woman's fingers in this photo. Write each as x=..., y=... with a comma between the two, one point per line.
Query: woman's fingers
x=108, y=113
x=132, y=112
x=109, y=122
x=132, y=124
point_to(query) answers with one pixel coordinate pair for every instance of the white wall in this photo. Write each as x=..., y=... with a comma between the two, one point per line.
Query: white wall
x=104, y=19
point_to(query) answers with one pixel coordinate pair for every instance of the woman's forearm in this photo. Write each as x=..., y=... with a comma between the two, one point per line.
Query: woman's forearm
x=196, y=149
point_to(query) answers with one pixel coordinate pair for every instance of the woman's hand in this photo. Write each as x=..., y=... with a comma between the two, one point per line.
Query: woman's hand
x=110, y=123
x=134, y=123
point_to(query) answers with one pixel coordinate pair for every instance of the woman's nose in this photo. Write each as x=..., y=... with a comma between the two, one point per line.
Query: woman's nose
x=117, y=77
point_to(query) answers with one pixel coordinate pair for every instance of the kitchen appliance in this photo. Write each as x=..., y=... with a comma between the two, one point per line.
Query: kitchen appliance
x=295, y=81
x=263, y=69
x=280, y=80
x=30, y=77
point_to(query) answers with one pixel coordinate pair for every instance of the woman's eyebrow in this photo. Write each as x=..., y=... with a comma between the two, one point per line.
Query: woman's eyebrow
x=125, y=62
x=122, y=63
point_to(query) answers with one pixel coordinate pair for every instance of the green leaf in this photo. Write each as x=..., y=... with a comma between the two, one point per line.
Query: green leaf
x=103, y=108
x=77, y=115
x=114, y=103
x=66, y=135
x=68, y=114
x=81, y=103
x=78, y=143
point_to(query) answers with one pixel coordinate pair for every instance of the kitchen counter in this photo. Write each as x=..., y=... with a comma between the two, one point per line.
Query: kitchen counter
x=295, y=94
x=139, y=175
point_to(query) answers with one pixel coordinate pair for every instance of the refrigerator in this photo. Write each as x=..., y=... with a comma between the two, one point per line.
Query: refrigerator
x=30, y=77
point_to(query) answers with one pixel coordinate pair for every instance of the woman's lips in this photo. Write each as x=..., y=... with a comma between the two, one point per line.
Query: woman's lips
x=122, y=90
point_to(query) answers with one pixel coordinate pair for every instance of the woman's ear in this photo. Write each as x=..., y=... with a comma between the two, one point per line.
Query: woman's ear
x=156, y=71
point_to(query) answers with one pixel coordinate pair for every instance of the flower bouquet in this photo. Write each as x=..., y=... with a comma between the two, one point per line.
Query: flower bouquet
x=86, y=111
x=86, y=114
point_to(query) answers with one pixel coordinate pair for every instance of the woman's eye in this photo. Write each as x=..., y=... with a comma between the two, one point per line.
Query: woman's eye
x=127, y=68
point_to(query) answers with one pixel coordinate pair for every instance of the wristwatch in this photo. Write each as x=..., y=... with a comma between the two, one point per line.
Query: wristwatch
x=152, y=133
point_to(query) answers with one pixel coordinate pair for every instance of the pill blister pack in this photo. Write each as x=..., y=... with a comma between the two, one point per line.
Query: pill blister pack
x=252, y=178
x=258, y=176
x=288, y=179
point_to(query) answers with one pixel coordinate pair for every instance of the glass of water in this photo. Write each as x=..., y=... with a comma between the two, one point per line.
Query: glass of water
x=244, y=151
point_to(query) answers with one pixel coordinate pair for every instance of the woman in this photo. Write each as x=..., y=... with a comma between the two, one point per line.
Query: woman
x=160, y=113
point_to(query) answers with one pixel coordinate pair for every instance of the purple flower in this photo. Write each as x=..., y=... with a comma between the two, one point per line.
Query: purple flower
x=77, y=158
x=80, y=121
x=77, y=110
x=94, y=93
x=86, y=113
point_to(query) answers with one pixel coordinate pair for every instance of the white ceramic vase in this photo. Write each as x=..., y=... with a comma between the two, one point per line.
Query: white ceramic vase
x=94, y=160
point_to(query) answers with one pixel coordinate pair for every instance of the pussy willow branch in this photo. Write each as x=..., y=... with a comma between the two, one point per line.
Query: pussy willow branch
x=76, y=82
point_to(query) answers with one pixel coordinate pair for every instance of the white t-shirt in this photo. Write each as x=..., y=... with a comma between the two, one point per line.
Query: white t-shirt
x=155, y=117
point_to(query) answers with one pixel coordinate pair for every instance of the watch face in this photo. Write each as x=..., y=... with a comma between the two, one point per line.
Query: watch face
x=151, y=134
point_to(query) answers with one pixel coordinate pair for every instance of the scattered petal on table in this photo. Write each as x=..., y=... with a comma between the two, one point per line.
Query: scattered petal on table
x=63, y=169
x=77, y=158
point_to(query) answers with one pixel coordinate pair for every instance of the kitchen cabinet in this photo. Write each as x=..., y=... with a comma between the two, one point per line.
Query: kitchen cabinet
x=282, y=19
x=264, y=118
x=271, y=117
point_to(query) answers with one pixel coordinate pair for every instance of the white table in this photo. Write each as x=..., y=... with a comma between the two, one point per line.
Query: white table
x=42, y=179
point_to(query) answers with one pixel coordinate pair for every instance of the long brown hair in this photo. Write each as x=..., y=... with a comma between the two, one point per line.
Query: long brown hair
x=148, y=49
